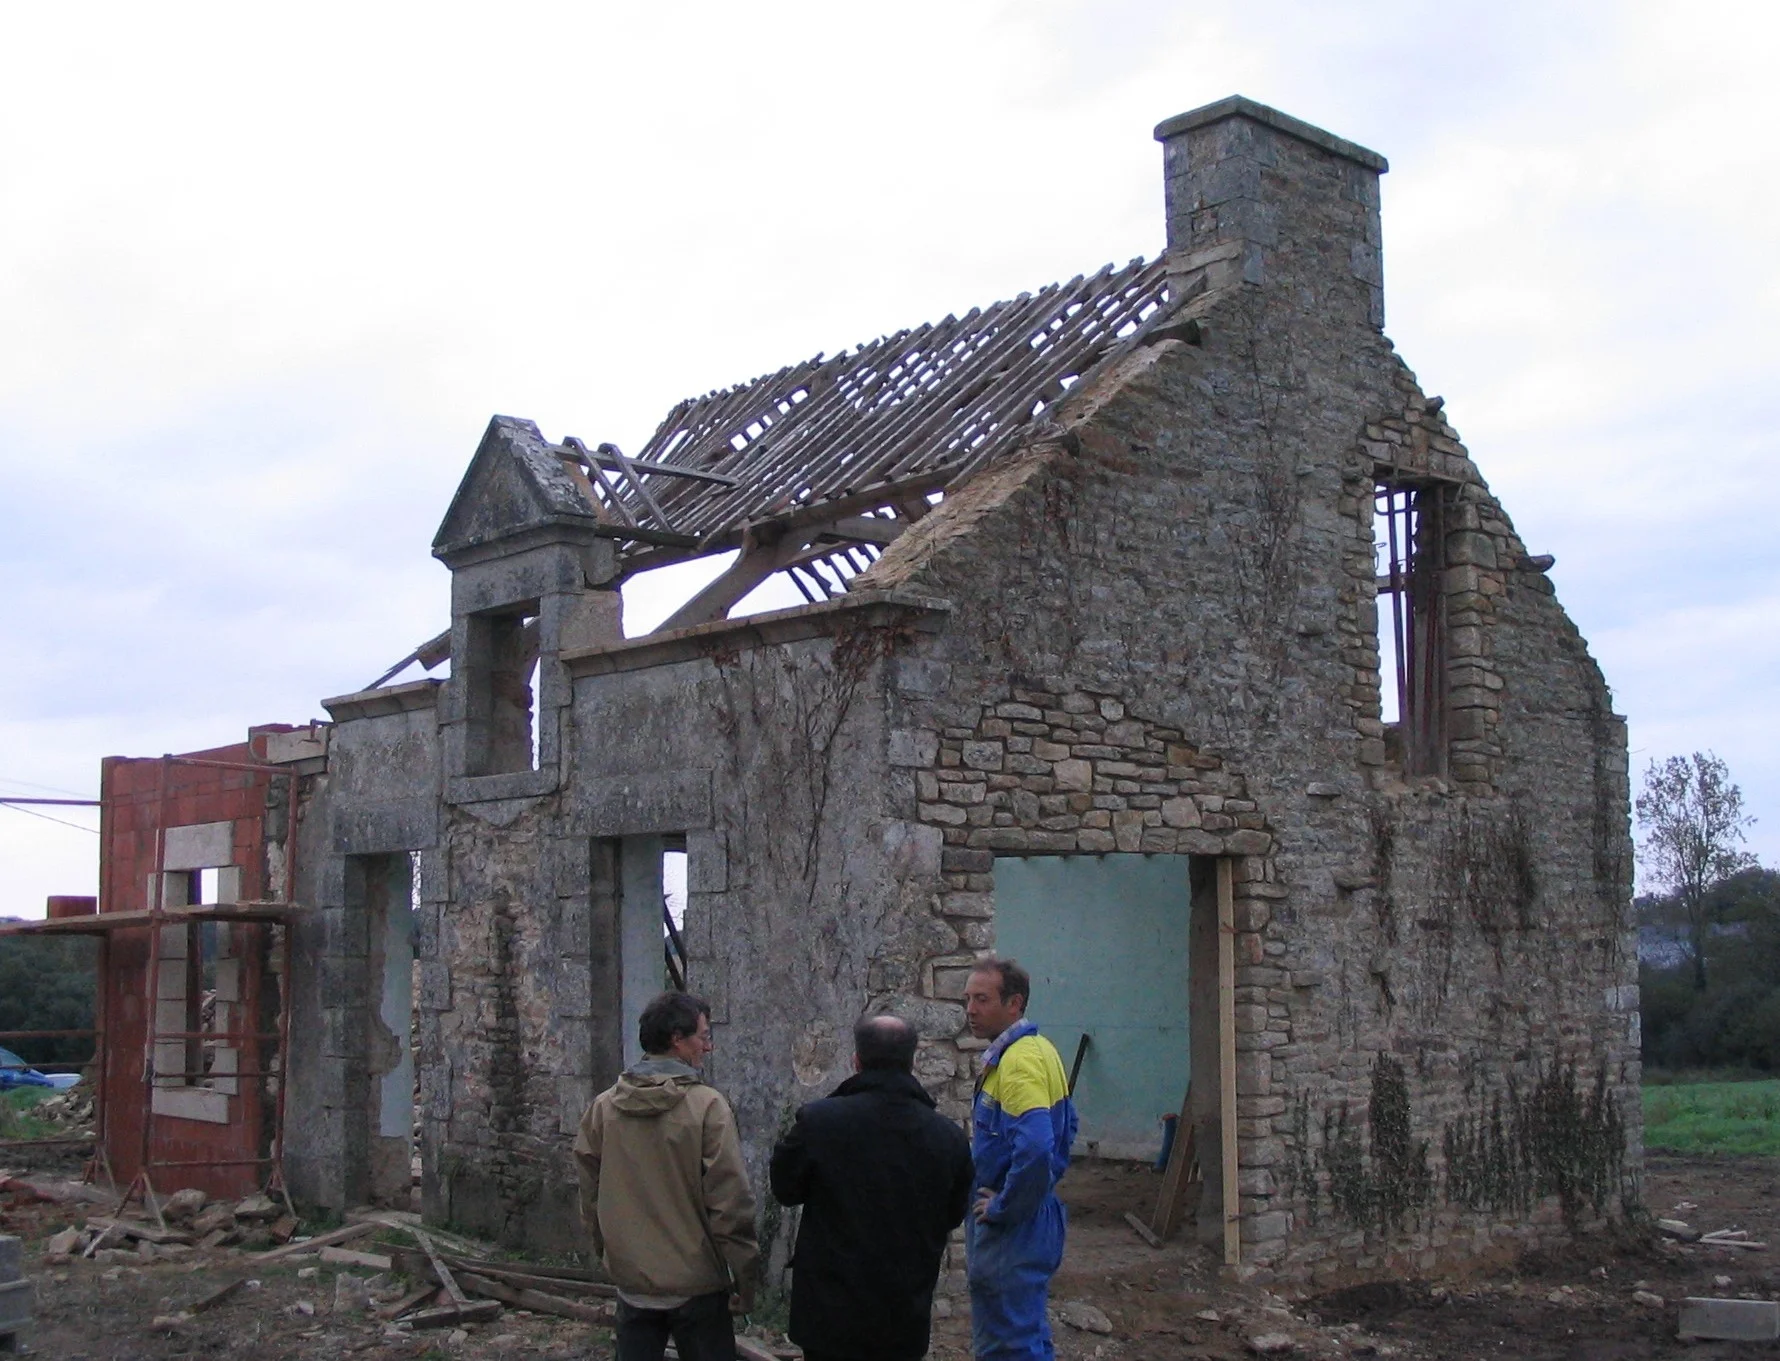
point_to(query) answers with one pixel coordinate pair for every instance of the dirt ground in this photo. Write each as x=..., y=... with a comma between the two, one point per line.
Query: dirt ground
x=1167, y=1303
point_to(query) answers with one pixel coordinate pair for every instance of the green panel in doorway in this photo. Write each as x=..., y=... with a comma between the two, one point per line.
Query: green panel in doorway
x=1105, y=940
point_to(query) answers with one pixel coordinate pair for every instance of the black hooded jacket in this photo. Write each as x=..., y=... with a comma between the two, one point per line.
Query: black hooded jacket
x=883, y=1178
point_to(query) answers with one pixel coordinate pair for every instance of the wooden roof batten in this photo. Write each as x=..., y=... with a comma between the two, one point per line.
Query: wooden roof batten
x=851, y=447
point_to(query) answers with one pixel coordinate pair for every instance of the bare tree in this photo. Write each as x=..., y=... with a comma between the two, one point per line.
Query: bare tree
x=1693, y=820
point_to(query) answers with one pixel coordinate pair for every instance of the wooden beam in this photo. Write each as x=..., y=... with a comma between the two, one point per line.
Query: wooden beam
x=757, y=562
x=1227, y=1056
x=317, y=1243
x=865, y=529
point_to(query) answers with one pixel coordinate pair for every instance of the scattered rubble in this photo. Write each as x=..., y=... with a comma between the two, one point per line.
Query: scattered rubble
x=1084, y=1316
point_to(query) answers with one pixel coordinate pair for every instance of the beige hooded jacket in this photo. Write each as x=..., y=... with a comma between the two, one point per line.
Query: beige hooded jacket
x=664, y=1194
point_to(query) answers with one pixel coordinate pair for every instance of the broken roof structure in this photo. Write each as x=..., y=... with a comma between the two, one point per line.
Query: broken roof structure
x=1159, y=631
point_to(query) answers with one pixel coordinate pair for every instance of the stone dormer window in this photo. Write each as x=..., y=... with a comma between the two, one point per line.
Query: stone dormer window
x=1409, y=541
x=501, y=687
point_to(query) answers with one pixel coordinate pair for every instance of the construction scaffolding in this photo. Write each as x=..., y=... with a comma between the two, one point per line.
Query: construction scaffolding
x=249, y=1041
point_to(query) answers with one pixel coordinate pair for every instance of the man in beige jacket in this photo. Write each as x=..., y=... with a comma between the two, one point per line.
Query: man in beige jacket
x=664, y=1194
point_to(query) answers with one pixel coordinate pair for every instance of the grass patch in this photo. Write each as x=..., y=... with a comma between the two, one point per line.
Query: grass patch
x=16, y=1120
x=1713, y=1117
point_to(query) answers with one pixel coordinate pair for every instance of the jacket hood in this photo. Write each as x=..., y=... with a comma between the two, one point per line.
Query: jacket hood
x=653, y=1087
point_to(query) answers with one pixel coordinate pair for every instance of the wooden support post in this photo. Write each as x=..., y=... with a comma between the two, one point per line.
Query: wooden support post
x=1227, y=1055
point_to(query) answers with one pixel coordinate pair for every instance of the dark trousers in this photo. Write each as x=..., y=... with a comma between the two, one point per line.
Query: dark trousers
x=701, y=1330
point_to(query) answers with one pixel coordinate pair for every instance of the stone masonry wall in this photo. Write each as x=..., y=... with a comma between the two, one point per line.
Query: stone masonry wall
x=1144, y=585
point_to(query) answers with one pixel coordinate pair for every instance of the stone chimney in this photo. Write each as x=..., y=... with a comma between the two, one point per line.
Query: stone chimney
x=1258, y=198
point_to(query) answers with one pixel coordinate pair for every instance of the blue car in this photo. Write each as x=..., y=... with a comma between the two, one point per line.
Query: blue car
x=15, y=1072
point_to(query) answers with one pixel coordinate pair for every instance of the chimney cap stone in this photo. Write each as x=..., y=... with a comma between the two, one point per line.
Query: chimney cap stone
x=1238, y=106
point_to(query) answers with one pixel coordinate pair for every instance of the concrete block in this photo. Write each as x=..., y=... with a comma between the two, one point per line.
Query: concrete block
x=302, y=745
x=1731, y=1320
x=15, y=1310
x=201, y=846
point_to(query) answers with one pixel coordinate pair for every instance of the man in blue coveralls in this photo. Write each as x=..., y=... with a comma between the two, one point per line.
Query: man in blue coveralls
x=1022, y=1126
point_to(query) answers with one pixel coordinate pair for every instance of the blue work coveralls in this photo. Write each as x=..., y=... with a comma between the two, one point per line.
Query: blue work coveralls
x=1022, y=1127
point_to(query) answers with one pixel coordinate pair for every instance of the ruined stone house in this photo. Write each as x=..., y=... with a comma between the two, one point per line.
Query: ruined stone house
x=1160, y=632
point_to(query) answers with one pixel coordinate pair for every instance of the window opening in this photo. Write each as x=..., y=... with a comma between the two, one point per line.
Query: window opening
x=501, y=679
x=673, y=911
x=1409, y=540
x=206, y=887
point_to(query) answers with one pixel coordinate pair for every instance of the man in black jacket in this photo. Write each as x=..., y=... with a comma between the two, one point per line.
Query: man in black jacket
x=883, y=1178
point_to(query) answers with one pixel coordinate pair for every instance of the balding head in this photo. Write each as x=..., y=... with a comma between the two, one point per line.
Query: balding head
x=884, y=1042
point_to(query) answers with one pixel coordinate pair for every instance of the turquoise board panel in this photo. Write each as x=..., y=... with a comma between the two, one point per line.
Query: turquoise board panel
x=1105, y=940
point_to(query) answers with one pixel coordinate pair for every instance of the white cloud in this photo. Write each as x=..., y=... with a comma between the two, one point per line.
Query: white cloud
x=265, y=274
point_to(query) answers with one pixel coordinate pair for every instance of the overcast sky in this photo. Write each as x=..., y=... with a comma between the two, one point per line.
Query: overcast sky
x=265, y=273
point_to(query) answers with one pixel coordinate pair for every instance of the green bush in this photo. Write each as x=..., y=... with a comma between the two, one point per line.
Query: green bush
x=1734, y=1023
x=46, y=983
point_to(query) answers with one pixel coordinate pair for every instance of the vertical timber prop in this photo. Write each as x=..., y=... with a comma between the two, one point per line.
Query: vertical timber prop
x=1227, y=1056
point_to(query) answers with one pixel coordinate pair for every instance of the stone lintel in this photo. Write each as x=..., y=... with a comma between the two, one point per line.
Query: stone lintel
x=756, y=631
x=390, y=699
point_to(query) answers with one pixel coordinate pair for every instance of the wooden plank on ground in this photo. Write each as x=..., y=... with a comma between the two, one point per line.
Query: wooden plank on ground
x=1143, y=1230
x=376, y=1261
x=555, y=1273
x=129, y=1229
x=443, y=1272
x=529, y=1279
x=450, y=1315
x=344, y=1234
x=538, y=1301
x=412, y=1300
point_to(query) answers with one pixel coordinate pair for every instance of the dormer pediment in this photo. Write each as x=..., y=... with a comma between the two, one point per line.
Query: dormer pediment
x=515, y=485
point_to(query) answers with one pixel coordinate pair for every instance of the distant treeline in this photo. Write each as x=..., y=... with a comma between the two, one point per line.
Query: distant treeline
x=1735, y=1021
x=46, y=983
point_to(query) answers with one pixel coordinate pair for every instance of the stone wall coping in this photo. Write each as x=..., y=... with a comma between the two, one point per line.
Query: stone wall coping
x=1239, y=106
x=389, y=699
x=754, y=631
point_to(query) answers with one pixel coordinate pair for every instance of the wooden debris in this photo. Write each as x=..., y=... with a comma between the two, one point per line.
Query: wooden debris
x=412, y=1300
x=482, y=1311
x=1143, y=1230
x=344, y=1234
x=534, y=1278
x=376, y=1261
x=1182, y=1173
x=440, y=1270
x=99, y=1238
x=537, y=1301
x=128, y=1229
